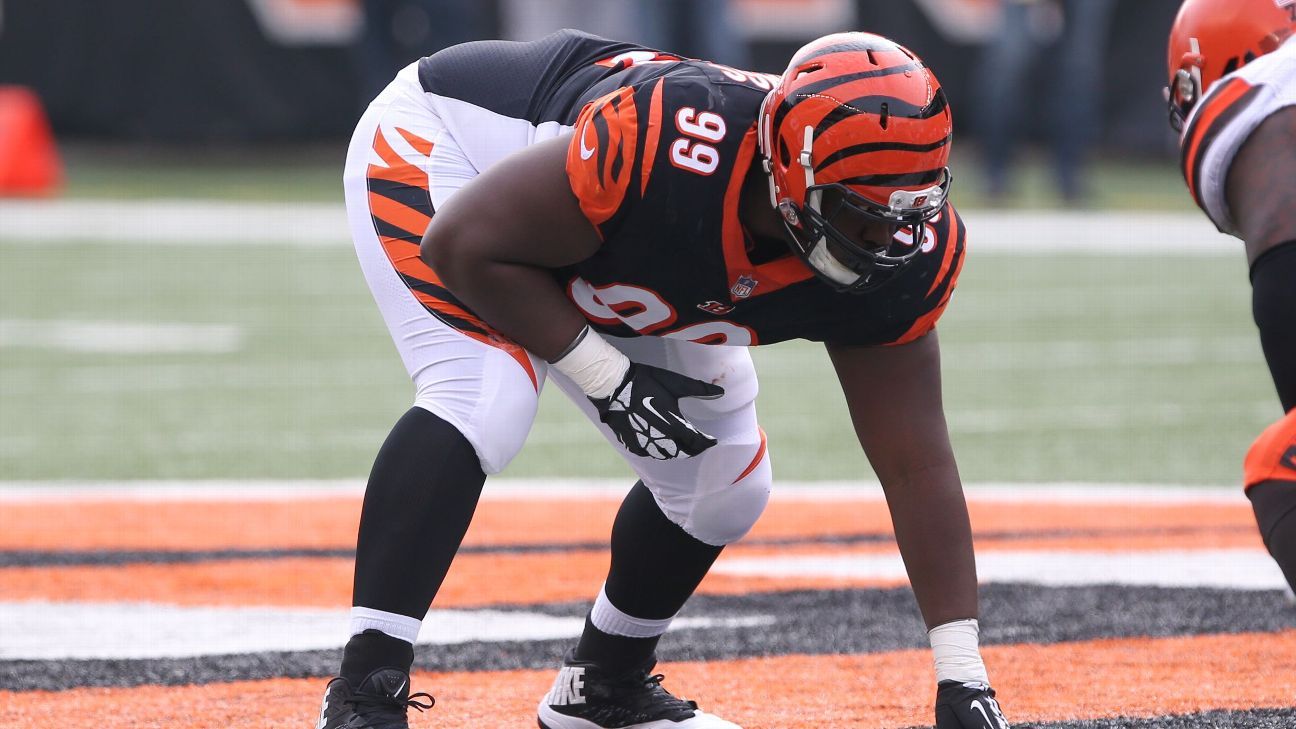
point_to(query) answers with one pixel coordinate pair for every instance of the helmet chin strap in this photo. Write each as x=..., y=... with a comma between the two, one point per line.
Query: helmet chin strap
x=819, y=256
x=827, y=264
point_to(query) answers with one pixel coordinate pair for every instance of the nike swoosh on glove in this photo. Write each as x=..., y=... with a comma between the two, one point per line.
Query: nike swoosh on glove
x=644, y=413
x=969, y=705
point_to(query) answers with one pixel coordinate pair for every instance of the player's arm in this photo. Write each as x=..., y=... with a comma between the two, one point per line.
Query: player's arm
x=493, y=242
x=894, y=398
x=493, y=245
x=1262, y=198
x=1260, y=187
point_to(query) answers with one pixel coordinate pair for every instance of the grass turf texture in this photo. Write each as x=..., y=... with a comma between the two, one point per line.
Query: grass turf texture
x=1057, y=367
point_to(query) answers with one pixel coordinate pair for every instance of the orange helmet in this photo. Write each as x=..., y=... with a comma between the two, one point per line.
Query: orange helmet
x=1213, y=38
x=856, y=126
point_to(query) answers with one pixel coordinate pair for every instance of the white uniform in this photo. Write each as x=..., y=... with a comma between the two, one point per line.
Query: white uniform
x=411, y=151
x=1221, y=123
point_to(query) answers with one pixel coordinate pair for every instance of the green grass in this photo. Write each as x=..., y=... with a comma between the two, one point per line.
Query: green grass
x=1056, y=368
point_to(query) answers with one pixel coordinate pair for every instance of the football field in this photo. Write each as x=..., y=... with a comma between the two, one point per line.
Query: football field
x=191, y=395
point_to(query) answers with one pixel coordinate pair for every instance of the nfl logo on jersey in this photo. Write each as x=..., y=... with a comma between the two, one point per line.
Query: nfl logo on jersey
x=742, y=288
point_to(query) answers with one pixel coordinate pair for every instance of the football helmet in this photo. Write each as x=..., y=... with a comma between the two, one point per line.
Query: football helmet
x=856, y=131
x=1213, y=38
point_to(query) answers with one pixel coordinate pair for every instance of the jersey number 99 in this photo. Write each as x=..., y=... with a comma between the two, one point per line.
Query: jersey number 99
x=691, y=151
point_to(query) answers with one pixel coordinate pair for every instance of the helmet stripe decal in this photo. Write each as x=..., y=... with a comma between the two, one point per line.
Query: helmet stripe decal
x=821, y=86
x=859, y=149
x=889, y=105
x=923, y=177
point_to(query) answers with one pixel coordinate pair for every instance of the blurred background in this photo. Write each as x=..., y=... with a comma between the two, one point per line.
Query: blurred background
x=178, y=298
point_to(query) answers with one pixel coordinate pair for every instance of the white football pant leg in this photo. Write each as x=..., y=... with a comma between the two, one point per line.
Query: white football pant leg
x=716, y=496
x=489, y=393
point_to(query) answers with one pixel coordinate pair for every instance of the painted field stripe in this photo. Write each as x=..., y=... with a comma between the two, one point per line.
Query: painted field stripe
x=49, y=631
x=92, y=523
x=1036, y=683
x=478, y=580
x=569, y=489
x=118, y=337
x=1112, y=539
x=1239, y=569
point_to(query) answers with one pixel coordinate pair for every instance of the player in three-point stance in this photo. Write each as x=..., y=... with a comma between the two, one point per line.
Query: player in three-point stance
x=1232, y=96
x=626, y=223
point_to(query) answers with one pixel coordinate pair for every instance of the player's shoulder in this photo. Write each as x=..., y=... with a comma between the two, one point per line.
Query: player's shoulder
x=674, y=128
x=1271, y=76
x=1233, y=108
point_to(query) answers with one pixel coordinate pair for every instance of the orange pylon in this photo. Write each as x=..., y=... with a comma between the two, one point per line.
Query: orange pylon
x=29, y=160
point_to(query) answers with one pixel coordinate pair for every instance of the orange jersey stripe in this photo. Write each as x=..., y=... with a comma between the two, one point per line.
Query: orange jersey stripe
x=950, y=251
x=601, y=156
x=397, y=169
x=422, y=145
x=1215, y=105
x=654, y=136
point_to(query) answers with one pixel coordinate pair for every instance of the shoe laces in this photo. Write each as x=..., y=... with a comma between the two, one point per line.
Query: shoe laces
x=368, y=705
x=657, y=694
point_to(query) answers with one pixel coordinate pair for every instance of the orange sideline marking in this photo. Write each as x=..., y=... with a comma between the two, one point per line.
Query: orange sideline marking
x=331, y=523
x=1130, y=677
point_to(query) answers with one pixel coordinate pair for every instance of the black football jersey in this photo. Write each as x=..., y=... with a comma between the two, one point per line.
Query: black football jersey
x=660, y=150
x=658, y=167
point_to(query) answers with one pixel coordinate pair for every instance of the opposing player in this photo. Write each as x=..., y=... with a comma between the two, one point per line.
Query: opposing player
x=609, y=217
x=1232, y=95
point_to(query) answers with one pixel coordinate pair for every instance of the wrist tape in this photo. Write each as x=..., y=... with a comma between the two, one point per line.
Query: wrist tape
x=954, y=646
x=594, y=365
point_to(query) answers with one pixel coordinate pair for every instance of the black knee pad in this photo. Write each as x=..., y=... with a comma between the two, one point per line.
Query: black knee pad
x=1274, y=503
x=1273, y=304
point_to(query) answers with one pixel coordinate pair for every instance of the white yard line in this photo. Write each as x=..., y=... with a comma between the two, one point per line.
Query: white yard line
x=203, y=222
x=57, y=630
x=575, y=489
x=1237, y=569
x=120, y=337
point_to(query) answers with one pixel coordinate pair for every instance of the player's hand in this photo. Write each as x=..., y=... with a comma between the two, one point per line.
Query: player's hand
x=644, y=413
x=967, y=706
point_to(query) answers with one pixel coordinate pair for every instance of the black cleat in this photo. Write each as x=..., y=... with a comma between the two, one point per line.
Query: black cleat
x=380, y=703
x=584, y=697
x=969, y=705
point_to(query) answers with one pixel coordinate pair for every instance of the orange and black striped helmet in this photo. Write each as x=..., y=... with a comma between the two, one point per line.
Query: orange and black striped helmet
x=1213, y=38
x=857, y=126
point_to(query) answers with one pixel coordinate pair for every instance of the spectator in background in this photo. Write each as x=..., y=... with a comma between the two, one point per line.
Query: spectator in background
x=1074, y=75
x=399, y=32
x=694, y=28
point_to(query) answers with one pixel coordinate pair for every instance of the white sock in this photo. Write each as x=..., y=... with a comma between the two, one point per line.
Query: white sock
x=397, y=626
x=607, y=618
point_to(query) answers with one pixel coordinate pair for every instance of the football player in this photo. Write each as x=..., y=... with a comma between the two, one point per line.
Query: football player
x=626, y=223
x=1232, y=96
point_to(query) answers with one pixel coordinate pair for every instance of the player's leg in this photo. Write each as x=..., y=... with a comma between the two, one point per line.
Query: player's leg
x=670, y=528
x=1271, y=487
x=476, y=396
x=1273, y=304
x=1271, y=463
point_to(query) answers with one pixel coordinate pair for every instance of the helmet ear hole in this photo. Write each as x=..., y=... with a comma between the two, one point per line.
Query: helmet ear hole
x=785, y=155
